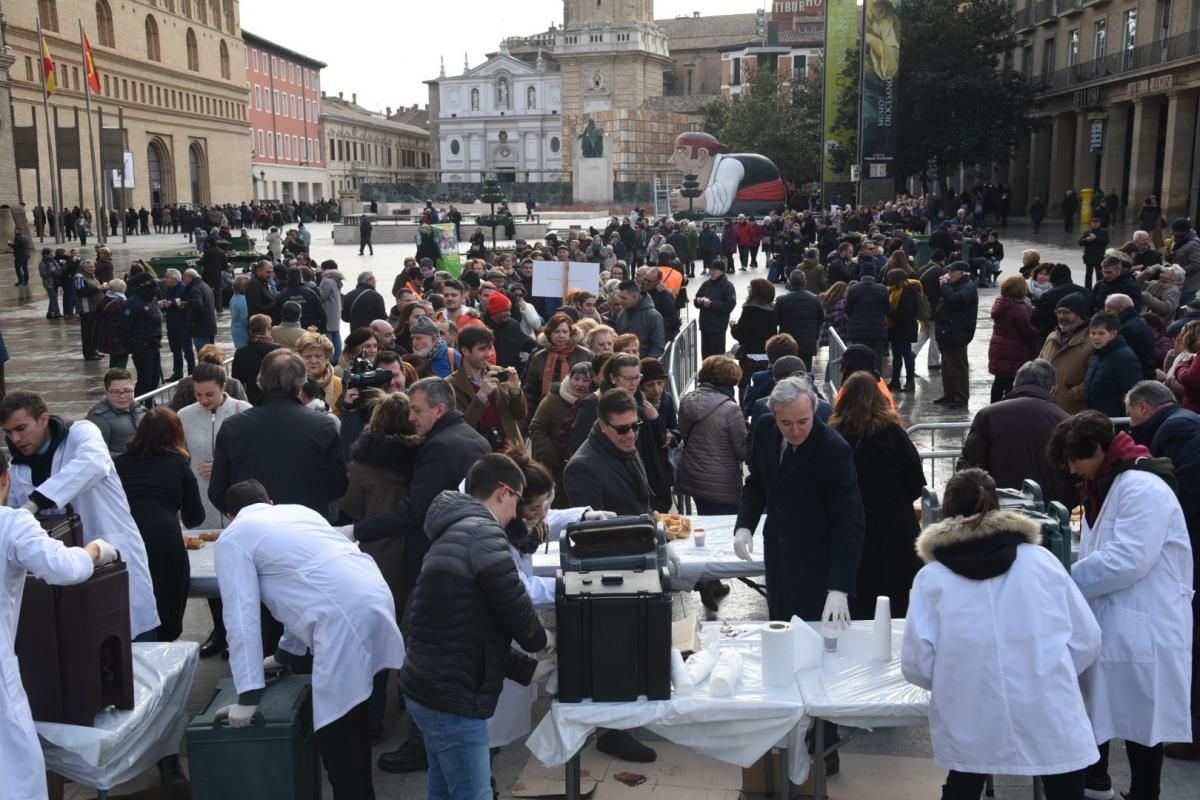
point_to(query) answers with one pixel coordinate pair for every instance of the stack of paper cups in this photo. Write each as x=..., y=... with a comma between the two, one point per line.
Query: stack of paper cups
x=881, y=647
x=778, y=655
x=726, y=673
x=679, y=674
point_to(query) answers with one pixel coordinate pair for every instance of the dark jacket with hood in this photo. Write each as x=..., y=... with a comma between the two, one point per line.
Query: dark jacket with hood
x=956, y=313
x=1113, y=372
x=715, y=318
x=1043, y=307
x=466, y=610
x=978, y=547
x=644, y=321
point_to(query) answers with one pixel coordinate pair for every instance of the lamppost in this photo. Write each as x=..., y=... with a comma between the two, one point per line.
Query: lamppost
x=262, y=177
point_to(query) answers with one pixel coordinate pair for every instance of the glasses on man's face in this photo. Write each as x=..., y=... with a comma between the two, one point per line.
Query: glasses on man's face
x=120, y=392
x=511, y=489
x=622, y=430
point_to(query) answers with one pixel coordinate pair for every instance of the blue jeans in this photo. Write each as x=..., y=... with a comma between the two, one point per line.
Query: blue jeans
x=336, y=338
x=460, y=765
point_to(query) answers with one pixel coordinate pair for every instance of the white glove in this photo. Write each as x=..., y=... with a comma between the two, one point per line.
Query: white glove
x=239, y=716
x=545, y=669
x=346, y=530
x=31, y=507
x=837, y=612
x=108, y=553
x=673, y=563
x=547, y=652
x=743, y=544
x=591, y=514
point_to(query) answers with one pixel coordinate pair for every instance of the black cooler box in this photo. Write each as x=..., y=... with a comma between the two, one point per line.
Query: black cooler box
x=614, y=611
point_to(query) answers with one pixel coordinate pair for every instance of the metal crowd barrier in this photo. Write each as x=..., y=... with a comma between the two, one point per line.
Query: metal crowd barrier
x=682, y=361
x=833, y=372
x=164, y=393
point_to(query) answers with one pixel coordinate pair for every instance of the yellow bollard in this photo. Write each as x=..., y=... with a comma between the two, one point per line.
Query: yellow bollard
x=1085, y=207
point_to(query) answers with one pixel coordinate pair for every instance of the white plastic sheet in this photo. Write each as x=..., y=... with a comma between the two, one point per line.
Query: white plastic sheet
x=738, y=729
x=715, y=561
x=123, y=744
x=204, y=569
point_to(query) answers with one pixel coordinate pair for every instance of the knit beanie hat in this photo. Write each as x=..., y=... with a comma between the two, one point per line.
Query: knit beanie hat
x=497, y=303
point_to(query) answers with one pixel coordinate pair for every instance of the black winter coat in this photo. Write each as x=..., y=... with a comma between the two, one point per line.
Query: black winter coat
x=259, y=300
x=752, y=329
x=866, y=311
x=1093, y=250
x=956, y=314
x=312, y=312
x=1113, y=372
x=1174, y=432
x=201, y=311
x=607, y=479
x=292, y=450
x=1125, y=283
x=715, y=318
x=467, y=608
x=801, y=315
x=651, y=440
x=513, y=347
x=1140, y=338
x=903, y=317
x=362, y=306
x=819, y=485
x=247, y=360
x=890, y=477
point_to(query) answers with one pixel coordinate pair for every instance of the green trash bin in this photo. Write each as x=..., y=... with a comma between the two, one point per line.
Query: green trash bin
x=924, y=251
x=276, y=757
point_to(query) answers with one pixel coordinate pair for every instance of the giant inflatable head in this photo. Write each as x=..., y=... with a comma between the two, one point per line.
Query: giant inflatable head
x=739, y=183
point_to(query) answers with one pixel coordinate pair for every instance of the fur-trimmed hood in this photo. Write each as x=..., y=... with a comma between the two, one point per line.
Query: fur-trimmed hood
x=956, y=539
x=576, y=339
x=392, y=453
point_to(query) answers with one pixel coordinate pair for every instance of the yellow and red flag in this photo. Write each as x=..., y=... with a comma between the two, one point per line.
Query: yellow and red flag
x=89, y=66
x=48, y=69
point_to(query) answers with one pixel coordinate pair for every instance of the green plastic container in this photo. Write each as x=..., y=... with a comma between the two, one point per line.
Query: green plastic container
x=276, y=757
x=924, y=251
x=1056, y=531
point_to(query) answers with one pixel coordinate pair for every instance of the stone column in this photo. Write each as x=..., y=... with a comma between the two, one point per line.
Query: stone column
x=1039, y=167
x=1141, y=158
x=1062, y=135
x=1112, y=158
x=1085, y=161
x=1177, y=160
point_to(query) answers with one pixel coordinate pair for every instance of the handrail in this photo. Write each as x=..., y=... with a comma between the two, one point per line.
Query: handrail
x=165, y=388
x=679, y=357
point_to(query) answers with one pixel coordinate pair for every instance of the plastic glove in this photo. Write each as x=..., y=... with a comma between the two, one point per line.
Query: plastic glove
x=591, y=514
x=108, y=553
x=346, y=530
x=545, y=669
x=673, y=563
x=837, y=611
x=547, y=652
x=239, y=716
x=743, y=544
x=31, y=507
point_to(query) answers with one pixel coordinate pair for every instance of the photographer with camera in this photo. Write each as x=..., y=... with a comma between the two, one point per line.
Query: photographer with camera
x=490, y=397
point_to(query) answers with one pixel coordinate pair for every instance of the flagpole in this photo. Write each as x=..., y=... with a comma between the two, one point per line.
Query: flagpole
x=89, y=68
x=58, y=237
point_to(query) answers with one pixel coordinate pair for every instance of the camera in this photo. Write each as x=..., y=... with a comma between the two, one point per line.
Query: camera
x=362, y=374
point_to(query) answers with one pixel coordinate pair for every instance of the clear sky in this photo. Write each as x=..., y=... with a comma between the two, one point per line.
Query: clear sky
x=385, y=50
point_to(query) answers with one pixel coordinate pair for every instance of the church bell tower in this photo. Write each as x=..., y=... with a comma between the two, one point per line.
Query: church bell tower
x=612, y=55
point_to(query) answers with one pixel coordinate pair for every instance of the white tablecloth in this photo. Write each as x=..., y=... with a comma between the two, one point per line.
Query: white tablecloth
x=204, y=570
x=714, y=561
x=123, y=744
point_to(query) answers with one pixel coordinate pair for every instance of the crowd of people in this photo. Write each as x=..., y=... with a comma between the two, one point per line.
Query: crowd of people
x=423, y=457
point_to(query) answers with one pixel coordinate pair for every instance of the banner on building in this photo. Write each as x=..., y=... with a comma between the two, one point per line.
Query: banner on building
x=841, y=37
x=25, y=145
x=66, y=146
x=115, y=174
x=881, y=66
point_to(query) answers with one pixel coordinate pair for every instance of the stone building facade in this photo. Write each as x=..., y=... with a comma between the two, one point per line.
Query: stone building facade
x=364, y=146
x=8, y=171
x=1120, y=84
x=177, y=70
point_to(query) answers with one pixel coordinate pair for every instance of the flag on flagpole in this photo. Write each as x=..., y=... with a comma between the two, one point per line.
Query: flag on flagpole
x=89, y=66
x=48, y=69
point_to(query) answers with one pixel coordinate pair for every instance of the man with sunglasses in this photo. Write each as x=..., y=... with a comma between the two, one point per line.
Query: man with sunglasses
x=607, y=472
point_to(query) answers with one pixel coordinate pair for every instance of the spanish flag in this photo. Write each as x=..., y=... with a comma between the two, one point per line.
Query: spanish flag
x=89, y=66
x=48, y=69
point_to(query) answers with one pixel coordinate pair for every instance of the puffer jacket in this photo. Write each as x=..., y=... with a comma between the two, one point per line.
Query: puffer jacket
x=866, y=311
x=714, y=435
x=1161, y=298
x=1124, y=283
x=801, y=315
x=1186, y=253
x=1013, y=336
x=465, y=612
x=117, y=427
x=955, y=314
x=644, y=321
x=1112, y=373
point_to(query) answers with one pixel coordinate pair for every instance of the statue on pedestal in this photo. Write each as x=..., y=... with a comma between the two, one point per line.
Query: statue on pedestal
x=591, y=141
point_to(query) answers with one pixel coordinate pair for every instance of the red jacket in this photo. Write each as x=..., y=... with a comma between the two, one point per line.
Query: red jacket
x=1013, y=337
x=1188, y=375
x=745, y=234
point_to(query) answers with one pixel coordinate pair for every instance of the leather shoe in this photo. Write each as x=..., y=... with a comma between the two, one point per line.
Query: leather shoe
x=408, y=757
x=213, y=645
x=707, y=598
x=622, y=745
x=1183, y=751
x=833, y=764
x=943, y=401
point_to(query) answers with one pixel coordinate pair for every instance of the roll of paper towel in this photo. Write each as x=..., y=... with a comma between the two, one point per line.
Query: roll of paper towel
x=778, y=655
x=881, y=634
x=726, y=674
x=700, y=664
x=679, y=674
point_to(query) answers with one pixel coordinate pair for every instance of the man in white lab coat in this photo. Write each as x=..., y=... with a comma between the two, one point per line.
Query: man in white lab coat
x=25, y=546
x=331, y=600
x=56, y=463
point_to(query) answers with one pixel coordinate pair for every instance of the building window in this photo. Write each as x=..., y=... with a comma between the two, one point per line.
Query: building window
x=1099, y=38
x=186, y=5
x=1164, y=25
x=317, y=142
x=555, y=144
x=153, y=52
x=258, y=97
x=216, y=13
x=29, y=72
x=1027, y=61
x=270, y=146
x=799, y=67
x=1073, y=47
x=275, y=103
x=170, y=5
x=228, y=6
x=104, y=24
x=274, y=67
x=254, y=59
x=287, y=147
x=1047, y=58
x=279, y=144
x=224, y=61
x=735, y=72
x=201, y=12
x=193, y=51
x=1129, y=37
x=455, y=147
x=48, y=12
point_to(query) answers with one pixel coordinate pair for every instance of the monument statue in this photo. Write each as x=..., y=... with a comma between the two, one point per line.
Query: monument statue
x=730, y=183
x=591, y=144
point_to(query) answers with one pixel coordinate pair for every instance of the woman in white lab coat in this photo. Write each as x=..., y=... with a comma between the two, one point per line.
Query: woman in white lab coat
x=1135, y=569
x=24, y=546
x=999, y=634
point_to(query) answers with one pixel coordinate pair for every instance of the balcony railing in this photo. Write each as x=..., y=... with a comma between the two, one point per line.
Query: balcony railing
x=1023, y=19
x=1152, y=54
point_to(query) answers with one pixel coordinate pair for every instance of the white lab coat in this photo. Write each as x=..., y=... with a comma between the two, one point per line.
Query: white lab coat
x=329, y=596
x=1135, y=569
x=512, y=719
x=1002, y=658
x=82, y=474
x=24, y=546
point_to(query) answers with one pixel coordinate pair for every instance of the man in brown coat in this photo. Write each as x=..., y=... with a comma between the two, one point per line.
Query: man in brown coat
x=490, y=397
x=1069, y=350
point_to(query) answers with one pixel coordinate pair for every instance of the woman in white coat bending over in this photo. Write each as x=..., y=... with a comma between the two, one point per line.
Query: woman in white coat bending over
x=999, y=634
x=1135, y=569
x=25, y=547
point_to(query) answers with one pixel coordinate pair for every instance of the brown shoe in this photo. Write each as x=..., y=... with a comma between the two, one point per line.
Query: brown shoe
x=1183, y=751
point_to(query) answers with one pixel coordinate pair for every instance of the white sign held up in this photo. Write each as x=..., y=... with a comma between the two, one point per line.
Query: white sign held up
x=555, y=278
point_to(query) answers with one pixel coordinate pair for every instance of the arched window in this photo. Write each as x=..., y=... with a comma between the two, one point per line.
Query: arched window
x=197, y=174
x=230, y=25
x=216, y=13
x=104, y=24
x=153, y=51
x=201, y=12
x=193, y=51
x=224, y=61
x=48, y=13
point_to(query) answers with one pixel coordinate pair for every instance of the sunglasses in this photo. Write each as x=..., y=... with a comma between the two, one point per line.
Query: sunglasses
x=621, y=430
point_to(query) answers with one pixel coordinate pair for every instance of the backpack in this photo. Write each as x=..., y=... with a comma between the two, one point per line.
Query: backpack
x=924, y=309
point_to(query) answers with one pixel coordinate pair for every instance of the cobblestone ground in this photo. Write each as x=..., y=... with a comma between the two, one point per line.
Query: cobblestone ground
x=46, y=358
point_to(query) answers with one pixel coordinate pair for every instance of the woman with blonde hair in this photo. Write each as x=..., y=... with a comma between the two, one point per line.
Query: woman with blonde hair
x=316, y=349
x=601, y=339
x=890, y=477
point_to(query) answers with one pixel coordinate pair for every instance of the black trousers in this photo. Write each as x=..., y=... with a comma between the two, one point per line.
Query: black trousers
x=956, y=375
x=1001, y=385
x=181, y=350
x=1145, y=769
x=969, y=785
x=345, y=747
x=87, y=333
x=712, y=344
x=1088, y=271
x=147, y=364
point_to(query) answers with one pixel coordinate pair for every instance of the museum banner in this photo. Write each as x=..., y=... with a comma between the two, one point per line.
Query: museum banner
x=443, y=235
x=841, y=35
x=881, y=65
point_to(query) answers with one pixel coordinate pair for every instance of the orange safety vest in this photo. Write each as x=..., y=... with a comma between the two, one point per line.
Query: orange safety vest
x=672, y=279
x=883, y=389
